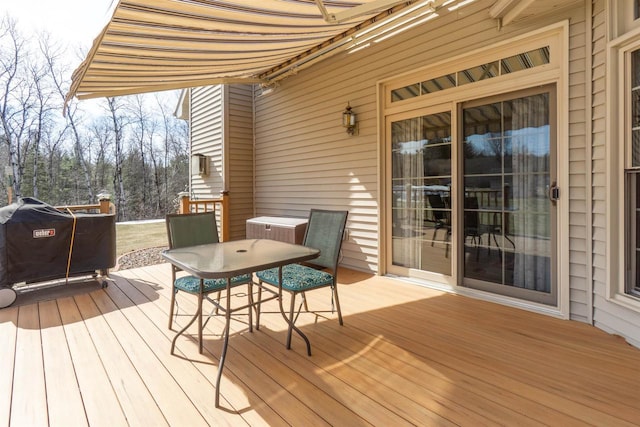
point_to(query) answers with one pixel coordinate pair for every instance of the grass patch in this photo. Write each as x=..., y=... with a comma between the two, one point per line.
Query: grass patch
x=134, y=236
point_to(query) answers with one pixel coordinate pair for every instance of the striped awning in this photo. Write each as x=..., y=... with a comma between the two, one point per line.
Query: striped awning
x=155, y=45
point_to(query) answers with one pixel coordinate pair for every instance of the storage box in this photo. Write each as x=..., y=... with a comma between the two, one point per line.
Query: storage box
x=284, y=229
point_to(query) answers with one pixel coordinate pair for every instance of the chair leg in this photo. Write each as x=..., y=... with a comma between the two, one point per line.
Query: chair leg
x=250, y=290
x=219, y=293
x=174, y=291
x=258, y=305
x=446, y=240
x=335, y=294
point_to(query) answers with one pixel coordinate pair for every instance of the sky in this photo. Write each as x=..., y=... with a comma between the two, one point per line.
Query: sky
x=73, y=22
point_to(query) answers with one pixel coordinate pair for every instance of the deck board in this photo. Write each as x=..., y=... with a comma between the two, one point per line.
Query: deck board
x=29, y=400
x=407, y=355
x=101, y=404
x=260, y=376
x=8, y=333
x=135, y=399
x=193, y=376
x=65, y=409
x=176, y=406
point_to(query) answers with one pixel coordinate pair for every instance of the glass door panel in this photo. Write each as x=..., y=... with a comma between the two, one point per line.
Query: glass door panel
x=508, y=218
x=421, y=193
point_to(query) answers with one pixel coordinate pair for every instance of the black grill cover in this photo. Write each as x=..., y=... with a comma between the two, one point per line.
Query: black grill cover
x=35, y=241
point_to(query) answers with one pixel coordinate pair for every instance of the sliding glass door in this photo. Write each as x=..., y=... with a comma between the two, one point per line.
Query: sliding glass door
x=421, y=193
x=496, y=231
x=508, y=176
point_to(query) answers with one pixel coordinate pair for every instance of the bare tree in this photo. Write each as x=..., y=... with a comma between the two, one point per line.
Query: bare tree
x=135, y=151
x=52, y=55
x=42, y=109
x=141, y=134
x=166, y=138
x=99, y=156
x=52, y=151
x=16, y=99
x=118, y=123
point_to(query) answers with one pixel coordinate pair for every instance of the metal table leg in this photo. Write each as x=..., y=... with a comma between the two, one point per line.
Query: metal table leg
x=225, y=344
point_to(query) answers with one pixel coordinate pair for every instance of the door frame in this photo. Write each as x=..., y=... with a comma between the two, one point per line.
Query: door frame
x=556, y=72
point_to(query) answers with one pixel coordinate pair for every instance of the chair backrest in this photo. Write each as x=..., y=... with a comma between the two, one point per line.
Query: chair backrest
x=471, y=215
x=191, y=229
x=437, y=205
x=325, y=229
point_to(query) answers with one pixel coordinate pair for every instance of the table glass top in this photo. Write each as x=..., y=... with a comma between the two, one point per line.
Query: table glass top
x=237, y=257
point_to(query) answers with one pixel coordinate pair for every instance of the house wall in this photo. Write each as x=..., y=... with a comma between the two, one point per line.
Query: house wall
x=579, y=164
x=608, y=315
x=227, y=139
x=207, y=133
x=305, y=159
x=239, y=154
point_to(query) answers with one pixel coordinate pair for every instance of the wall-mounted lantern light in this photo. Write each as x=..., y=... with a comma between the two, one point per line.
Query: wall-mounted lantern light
x=349, y=120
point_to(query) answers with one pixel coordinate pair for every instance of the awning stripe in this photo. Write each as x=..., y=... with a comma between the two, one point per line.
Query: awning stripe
x=152, y=45
x=185, y=34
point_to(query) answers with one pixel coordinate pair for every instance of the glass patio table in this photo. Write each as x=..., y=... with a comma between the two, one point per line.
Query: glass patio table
x=229, y=259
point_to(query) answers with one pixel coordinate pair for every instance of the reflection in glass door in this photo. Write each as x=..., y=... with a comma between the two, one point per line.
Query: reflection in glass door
x=421, y=193
x=508, y=173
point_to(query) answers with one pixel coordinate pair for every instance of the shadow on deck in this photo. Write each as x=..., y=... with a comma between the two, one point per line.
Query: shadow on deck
x=407, y=355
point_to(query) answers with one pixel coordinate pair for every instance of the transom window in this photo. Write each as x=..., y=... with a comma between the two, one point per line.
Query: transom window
x=511, y=64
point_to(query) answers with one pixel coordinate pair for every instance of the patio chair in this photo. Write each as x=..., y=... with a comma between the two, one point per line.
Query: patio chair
x=472, y=223
x=325, y=231
x=440, y=218
x=197, y=229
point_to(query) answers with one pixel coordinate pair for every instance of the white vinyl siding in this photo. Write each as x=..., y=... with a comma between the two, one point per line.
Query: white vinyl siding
x=222, y=129
x=239, y=164
x=206, y=138
x=579, y=171
x=599, y=200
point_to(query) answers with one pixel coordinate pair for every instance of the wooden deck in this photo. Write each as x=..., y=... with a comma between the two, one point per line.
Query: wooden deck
x=406, y=355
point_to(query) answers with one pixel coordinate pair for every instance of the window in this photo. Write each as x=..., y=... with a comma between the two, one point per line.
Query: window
x=632, y=178
x=624, y=16
x=512, y=64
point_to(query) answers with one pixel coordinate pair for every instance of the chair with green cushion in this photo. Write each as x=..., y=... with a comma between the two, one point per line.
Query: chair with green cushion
x=190, y=230
x=325, y=230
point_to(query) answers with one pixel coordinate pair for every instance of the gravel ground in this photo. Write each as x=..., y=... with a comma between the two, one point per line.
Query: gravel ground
x=140, y=258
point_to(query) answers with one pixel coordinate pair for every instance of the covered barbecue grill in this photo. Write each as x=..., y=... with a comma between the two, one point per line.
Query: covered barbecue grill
x=39, y=243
